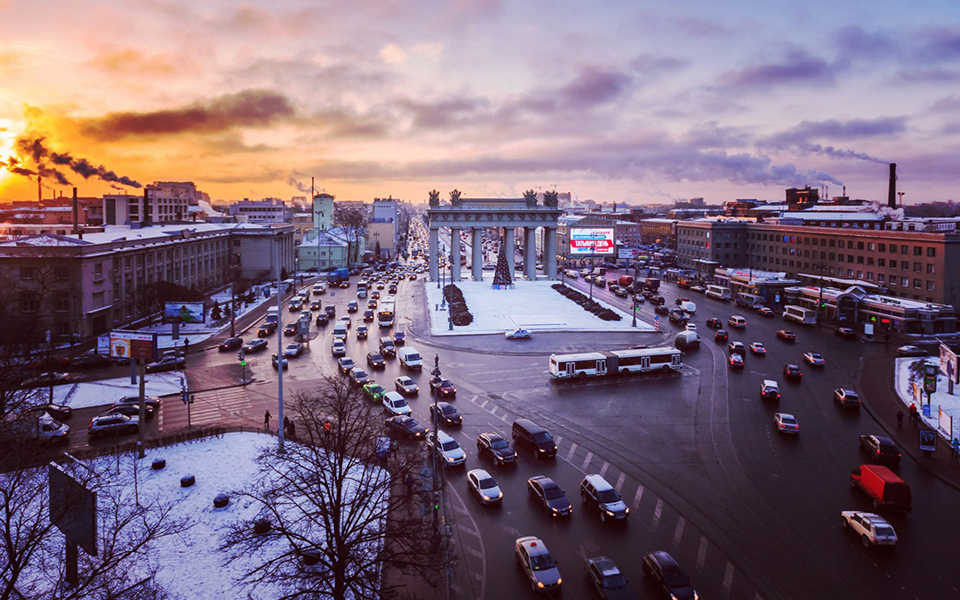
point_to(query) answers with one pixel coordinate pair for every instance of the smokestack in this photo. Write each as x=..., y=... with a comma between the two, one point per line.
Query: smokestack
x=144, y=216
x=76, y=213
x=39, y=189
x=892, y=191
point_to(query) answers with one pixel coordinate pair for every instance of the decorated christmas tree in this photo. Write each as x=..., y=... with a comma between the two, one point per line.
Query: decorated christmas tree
x=502, y=276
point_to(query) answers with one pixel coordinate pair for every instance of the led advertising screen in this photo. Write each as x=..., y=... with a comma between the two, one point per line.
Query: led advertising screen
x=590, y=241
x=187, y=312
x=129, y=344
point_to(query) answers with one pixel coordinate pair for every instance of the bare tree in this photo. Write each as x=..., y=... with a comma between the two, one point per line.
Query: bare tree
x=353, y=220
x=340, y=515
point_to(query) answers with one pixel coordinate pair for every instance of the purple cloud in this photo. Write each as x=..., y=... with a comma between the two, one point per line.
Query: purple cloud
x=929, y=76
x=796, y=67
x=652, y=64
x=594, y=86
x=799, y=137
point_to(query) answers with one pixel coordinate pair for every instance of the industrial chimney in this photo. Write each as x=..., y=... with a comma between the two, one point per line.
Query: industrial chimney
x=76, y=213
x=892, y=190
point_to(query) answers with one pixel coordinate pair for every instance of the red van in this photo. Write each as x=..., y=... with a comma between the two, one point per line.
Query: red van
x=625, y=281
x=884, y=486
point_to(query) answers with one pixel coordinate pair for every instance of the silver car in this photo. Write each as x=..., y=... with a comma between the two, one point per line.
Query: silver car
x=537, y=564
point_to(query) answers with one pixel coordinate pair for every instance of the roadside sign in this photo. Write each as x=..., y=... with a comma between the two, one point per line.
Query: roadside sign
x=928, y=440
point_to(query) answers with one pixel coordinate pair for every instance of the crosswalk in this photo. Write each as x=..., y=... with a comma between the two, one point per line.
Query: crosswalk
x=218, y=406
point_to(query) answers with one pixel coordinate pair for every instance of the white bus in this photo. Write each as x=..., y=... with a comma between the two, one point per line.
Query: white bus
x=719, y=292
x=804, y=316
x=385, y=315
x=616, y=362
x=749, y=300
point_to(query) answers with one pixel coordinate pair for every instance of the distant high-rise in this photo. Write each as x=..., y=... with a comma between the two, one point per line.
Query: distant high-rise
x=322, y=211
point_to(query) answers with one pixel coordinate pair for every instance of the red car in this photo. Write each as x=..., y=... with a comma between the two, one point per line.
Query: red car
x=786, y=335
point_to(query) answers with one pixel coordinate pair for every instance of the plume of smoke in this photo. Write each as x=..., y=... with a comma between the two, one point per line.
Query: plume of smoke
x=839, y=152
x=44, y=158
x=292, y=180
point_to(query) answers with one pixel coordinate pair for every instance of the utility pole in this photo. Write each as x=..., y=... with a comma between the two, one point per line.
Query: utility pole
x=141, y=430
x=437, y=496
x=279, y=347
x=820, y=301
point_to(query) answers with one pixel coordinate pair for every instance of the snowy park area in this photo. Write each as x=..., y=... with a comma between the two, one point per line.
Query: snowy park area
x=944, y=412
x=108, y=391
x=531, y=305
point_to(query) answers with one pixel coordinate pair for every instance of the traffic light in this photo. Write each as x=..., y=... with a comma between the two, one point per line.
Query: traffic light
x=436, y=501
x=241, y=356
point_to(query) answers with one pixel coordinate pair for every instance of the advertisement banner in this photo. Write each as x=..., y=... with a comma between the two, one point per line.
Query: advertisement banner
x=945, y=422
x=131, y=344
x=948, y=363
x=188, y=312
x=625, y=253
x=928, y=440
x=590, y=241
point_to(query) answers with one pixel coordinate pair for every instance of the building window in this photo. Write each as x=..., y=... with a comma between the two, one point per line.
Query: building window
x=849, y=244
x=859, y=260
x=849, y=258
x=904, y=249
x=871, y=246
x=869, y=275
x=916, y=284
x=833, y=243
x=61, y=273
x=840, y=257
x=98, y=299
x=29, y=303
x=883, y=247
x=893, y=248
x=930, y=269
x=870, y=261
x=881, y=262
x=61, y=303
x=918, y=251
x=98, y=272
x=859, y=245
x=931, y=286
x=893, y=263
x=859, y=274
x=880, y=277
x=917, y=267
x=931, y=252
x=905, y=281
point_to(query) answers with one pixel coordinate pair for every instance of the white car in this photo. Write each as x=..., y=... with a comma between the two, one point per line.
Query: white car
x=814, y=359
x=691, y=326
x=517, y=334
x=394, y=404
x=872, y=529
x=786, y=423
x=446, y=448
x=293, y=350
x=338, y=348
x=758, y=348
x=405, y=385
x=484, y=487
x=572, y=274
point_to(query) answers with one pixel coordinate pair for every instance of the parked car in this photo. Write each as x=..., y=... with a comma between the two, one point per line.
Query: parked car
x=873, y=530
x=911, y=351
x=548, y=496
x=880, y=449
x=668, y=575
x=231, y=343
x=484, y=486
x=517, y=334
x=846, y=398
x=494, y=447
x=446, y=414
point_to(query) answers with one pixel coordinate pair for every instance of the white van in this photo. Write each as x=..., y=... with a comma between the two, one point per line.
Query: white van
x=688, y=307
x=340, y=330
x=687, y=340
x=410, y=359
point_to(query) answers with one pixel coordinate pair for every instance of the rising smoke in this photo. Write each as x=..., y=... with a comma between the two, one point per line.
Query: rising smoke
x=46, y=163
x=292, y=180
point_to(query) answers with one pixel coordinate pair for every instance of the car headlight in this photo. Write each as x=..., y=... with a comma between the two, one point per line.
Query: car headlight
x=609, y=512
x=539, y=584
x=559, y=580
x=500, y=495
x=626, y=510
x=486, y=497
x=554, y=510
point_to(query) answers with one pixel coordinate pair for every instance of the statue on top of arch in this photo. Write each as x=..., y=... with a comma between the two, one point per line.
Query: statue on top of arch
x=531, y=197
x=455, y=198
x=550, y=199
x=434, y=199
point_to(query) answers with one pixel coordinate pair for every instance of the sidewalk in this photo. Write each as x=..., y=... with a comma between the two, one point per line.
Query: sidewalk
x=881, y=400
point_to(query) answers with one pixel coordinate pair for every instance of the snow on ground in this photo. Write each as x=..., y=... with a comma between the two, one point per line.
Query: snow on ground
x=939, y=400
x=108, y=391
x=532, y=305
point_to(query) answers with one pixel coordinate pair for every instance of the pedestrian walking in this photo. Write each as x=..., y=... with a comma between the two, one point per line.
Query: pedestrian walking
x=266, y=420
x=899, y=419
x=914, y=415
x=186, y=346
x=286, y=424
x=954, y=448
x=293, y=430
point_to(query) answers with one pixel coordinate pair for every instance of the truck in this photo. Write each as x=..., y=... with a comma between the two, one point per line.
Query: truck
x=625, y=281
x=39, y=426
x=338, y=275
x=886, y=489
x=648, y=283
x=272, y=314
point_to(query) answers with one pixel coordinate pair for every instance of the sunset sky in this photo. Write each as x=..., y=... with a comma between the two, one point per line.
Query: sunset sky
x=635, y=101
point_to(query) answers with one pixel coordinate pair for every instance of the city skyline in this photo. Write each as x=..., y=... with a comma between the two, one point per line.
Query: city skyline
x=629, y=104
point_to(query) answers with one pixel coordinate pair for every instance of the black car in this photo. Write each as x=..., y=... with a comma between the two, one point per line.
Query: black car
x=131, y=410
x=256, y=345
x=375, y=360
x=446, y=414
x=368, y=316
x=90, y=361
x=231, y=343
x=406, y=426
x=444, y=387
x=714, y=323
x=267, y=329
x=881, y=449
x=792, y=372
x=331, y=311
x=658, y=300
x=322, y=320
x=399, y=338
x=290, y=329
x=542, y=490
x=665, y=570
x=661, y=310
x=345, y=364
x=167, y=363
x=606, y=578
x=721, y=336
x=493, y=446
x=60, y=412
x=352, y=306
x=846, y=333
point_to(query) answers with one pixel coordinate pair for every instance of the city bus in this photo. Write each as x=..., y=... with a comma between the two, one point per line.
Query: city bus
x=749, y=300
x=615, y=362
x=719, y=292
x=385, y=315
x=804, y=316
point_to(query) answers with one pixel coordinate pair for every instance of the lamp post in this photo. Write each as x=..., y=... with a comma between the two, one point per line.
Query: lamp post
x=821, y=265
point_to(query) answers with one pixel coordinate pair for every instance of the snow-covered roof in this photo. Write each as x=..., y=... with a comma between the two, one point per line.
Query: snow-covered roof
x=807, y=215
x=47, y=240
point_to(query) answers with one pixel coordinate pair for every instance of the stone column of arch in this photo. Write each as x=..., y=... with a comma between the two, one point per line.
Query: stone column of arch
x=454, y=254
x=530, y=253
x=508, y=239
x=433, y=248
x=477, y=263
x=550, y=251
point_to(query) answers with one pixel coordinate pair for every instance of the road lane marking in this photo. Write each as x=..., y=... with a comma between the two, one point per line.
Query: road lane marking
x=573, y=448
x=656, y=514
x=727, y=580
x=558, y=440
x=620, y=481
x=678, y=533
x=701, y=554
x=638, y=497
x=603, y=469
x=484, y=403
x=493, y=411
x=586, y=461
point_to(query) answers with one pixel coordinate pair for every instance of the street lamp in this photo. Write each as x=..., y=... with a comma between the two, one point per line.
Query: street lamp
x=821, y=265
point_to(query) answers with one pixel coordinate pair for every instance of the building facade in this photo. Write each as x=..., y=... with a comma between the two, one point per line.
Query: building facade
x=260, y=212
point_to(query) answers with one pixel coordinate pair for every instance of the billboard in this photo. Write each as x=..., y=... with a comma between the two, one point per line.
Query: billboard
x=588, y=241
x=131, y=344
x=188, y=312
x=73, y=509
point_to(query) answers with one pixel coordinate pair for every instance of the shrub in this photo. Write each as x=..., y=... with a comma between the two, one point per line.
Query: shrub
x=609, y=315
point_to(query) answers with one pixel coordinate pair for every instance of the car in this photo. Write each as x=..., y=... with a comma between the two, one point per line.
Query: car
x=395, y=404
x=399, y=338
x=872, y=529
x=322, y=320
x=792, y=372
x=405, y=426
x=698, y=288
x=338, y=348
x=661, y=310
x=846, y=398
x=290, y=329
x=362, y=332
x=331, y=310
x=769, y=390
x=549, y=496
x=846, y=333
x=352, y=306
x=374, y=391
x=131, y=410
x=375, y=360
x=786, y=423
x=691, y=327
x=786, y=335
x=346, y=321
x=606, y=578
x=814, y=359
x=371, y=305
x=48, y=379
x=344, y=364
x=484, y=486
x=517, y=334
x=621, y=292
x=910, y=351
x=680, y=300
x=375, y=294
x=881, y=449
x=443, y=387
x=446, y=414
x=392, y=289
x=496, y=448
x=167, y=363
x=112, y=424
x=758, y=348
x=538, y=566
x=293, y=349
x=257, y=345
x=736, y=361
x=231, y=343
x=406, y=386
x=315, y=305
x=737, y=348
x=387, y=347
x=714, y=323
x=679, y=317
x=721, y=336
x=768, y=313
x=667, y=573
x=447, y=449
x=358, y=376
x=89, y=360
x=597, y=494
x=283, y=361
x=60, y=412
